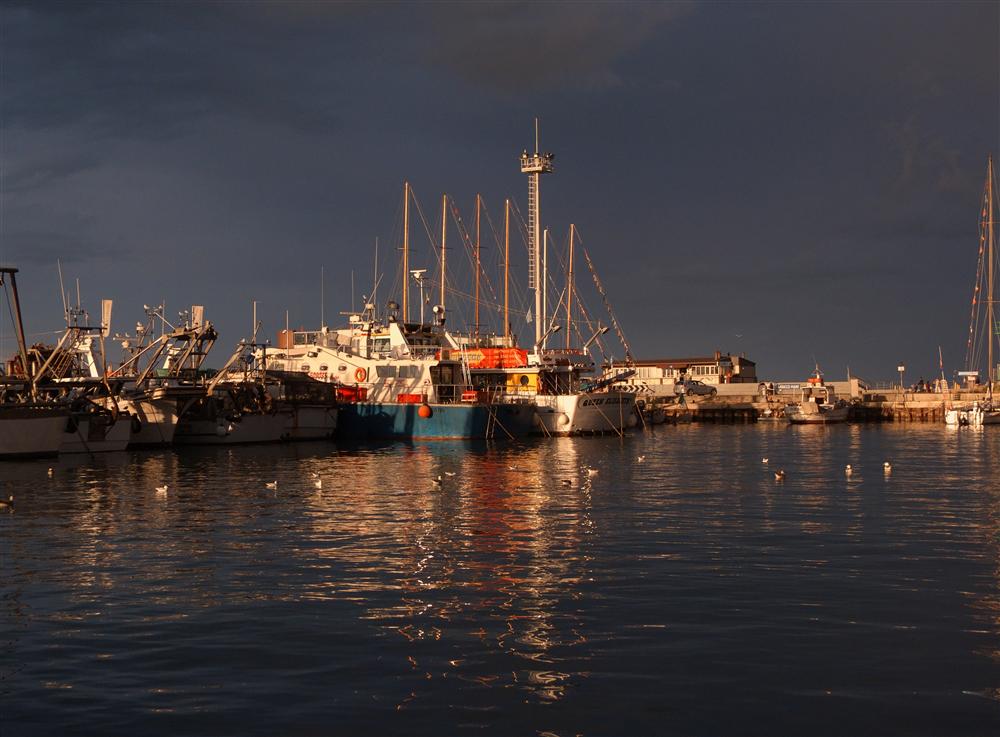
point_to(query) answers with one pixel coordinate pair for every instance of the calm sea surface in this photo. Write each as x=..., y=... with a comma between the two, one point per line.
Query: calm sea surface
x=688, y=594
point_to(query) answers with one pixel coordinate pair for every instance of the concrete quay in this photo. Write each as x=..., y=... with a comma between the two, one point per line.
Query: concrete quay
x=879, y=405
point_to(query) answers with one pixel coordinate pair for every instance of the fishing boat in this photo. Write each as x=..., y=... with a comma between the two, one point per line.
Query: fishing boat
x=984, y=330
x=817, y=404
x=235, y=407
x=30, y=425
x=162, y=376
x=568, y=401
x=397, y=382
x=70, y=371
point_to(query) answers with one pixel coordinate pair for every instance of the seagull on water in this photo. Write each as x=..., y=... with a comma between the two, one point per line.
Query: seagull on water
x=887, y=467
x=52, y=472
x=764, y=460
x=566, y=482
x=271, y=484
x=848, y=470
x=449, y=473
x=779, y=475
x=162, y=490
x=7, y=503
x=640, y=459
x=592, y=471
x=318, y=483
x=438, y=482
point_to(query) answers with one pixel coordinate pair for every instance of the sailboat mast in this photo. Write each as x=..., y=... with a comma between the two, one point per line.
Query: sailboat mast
x=406, y=251
x=990, y=270
x=569, y=286
x=506, y=272
x=444, y=241
x=476, y=318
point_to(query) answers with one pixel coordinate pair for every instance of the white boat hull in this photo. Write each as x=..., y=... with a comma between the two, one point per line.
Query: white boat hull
x=155, y=421
x=311, y=422
x=97, y=435
x=250, y=428
x=824, y=416
x=585, y=414
x=30, y=431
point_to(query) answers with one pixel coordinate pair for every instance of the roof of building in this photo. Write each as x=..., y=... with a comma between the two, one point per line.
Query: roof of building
x=692, y=361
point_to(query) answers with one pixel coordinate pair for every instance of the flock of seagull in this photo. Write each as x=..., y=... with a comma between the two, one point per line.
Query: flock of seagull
x=779, y=475
x=588, y=471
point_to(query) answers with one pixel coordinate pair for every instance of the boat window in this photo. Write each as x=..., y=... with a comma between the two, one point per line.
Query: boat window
x=323, y=367
x=304, y=367
x=385, y=372
x=341, y=368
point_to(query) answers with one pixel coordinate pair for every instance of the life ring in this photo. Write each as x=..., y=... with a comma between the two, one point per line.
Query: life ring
x=360, y=374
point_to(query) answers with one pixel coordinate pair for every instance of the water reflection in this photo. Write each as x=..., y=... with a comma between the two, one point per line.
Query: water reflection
x=505, y=588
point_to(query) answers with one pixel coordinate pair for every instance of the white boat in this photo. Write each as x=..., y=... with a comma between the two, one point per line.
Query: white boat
x=817, y=404
x=96, y=432
x=29, y=430
x=29, y=426
x=161, y=377
x=397, y=381
x=556, y=380
x=984, y=329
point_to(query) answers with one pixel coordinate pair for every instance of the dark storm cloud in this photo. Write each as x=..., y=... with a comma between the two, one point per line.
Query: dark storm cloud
x=727, y=163
x=149, y=70
x=524, y=46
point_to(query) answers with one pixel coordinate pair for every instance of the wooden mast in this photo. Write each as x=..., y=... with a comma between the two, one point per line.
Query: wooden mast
x=506, y=272
x=569, y=286
x=406, y=252
x=476, y=318
x=444, y=240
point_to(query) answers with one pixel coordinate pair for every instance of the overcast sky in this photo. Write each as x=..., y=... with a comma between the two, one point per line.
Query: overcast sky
x=787, y=180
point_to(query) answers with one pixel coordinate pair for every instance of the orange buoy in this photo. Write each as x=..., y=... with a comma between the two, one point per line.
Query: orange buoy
x=360, y=374
x=425, y=411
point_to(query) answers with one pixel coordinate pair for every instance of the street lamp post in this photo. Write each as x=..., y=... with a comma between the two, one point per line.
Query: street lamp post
x=901, y=368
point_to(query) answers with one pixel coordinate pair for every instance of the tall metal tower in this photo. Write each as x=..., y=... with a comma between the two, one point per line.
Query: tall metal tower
x=535, y=165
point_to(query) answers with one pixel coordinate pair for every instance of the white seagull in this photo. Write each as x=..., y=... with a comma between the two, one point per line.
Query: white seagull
x=779, y=475
x=640, y=459
x=848, y=470
x=592, y=471
x=162, y=490
x=7, y=503
x=318, y=483
x=887, y=467
x=764, y=460
x=271, y=484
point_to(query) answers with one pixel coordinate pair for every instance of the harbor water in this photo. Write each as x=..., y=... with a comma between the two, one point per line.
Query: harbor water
x=686, y=593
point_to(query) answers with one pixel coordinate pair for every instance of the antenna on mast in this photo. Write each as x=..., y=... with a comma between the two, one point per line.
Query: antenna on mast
x=62, y=293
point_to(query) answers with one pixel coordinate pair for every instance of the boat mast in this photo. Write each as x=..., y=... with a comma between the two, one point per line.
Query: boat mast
x=990, y=269
x=22, y=346
x=534, y=165
x=444, y=240
x=544, y=315
x=476, y=318
x=506, y=272
x=406, y=251
x=569, y=286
